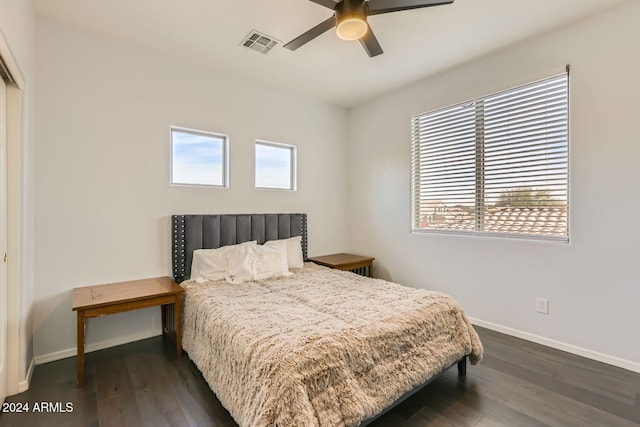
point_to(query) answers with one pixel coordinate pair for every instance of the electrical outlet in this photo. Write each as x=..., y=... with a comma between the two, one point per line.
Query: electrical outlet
x=542, y=305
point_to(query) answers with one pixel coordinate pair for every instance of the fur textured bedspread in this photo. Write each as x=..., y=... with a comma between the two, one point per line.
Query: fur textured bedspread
x=320, y=348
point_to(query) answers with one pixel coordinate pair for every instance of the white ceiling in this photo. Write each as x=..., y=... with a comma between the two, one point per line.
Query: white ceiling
x=416, y=43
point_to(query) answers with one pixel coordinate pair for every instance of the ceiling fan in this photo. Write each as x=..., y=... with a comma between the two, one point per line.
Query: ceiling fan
x=350, y=20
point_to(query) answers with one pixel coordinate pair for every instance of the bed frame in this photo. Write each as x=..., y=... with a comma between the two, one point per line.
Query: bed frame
x=191, y=232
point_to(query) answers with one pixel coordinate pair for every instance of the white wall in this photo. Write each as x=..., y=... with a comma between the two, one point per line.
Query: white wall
x=102, y=159
x=591, y=283
x=17, y=27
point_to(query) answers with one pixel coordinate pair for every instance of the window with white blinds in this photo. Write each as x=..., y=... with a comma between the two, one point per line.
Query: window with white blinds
x=496, y=165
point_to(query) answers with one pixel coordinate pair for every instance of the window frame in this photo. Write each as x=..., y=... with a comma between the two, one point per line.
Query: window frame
x=208, y=134
x=416, y=179
x=293, y=169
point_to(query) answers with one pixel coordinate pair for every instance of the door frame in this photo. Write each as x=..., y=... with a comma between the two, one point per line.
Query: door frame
x=4, y=243
x=15, y=306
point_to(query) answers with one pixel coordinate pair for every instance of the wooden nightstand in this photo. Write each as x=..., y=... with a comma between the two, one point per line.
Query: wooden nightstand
x=100, y=300
x=361, y=265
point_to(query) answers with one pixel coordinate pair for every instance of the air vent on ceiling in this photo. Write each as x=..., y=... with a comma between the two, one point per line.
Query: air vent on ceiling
x=259, y=42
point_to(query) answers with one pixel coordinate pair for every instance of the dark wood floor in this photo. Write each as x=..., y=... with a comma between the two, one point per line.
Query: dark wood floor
x=518, y=384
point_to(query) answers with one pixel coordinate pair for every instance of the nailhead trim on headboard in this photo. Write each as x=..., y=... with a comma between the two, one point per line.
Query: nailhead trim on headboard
x=177, y=233
x=229, y=229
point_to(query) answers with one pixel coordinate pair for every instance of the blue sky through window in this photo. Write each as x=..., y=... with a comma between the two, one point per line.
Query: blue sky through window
x=198, y=159
x=274, y=167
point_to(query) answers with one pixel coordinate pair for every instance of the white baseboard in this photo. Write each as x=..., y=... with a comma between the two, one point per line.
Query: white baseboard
x=70, y=352
x=558, y=345
x=24, y=385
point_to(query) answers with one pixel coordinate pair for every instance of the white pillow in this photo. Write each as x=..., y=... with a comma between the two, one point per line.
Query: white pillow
x=294, y=250
x=211, y=264
x=255, y=263
x=284, y=263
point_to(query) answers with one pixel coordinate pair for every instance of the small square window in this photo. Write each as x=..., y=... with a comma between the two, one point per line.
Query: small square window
x=199, y=158
x=275, y=166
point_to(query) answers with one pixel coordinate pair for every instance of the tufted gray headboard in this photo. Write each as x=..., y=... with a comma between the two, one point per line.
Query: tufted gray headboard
x=191, y=232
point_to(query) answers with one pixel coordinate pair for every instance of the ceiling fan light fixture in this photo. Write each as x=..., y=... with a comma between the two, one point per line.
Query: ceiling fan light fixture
x=352, y=28
x=351, y=19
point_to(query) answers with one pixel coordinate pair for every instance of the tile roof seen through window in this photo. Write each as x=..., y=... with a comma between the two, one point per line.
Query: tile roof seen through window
x=550, y=220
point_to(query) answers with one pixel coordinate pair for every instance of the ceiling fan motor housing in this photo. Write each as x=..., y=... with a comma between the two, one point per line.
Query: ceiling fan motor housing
x=351, y=9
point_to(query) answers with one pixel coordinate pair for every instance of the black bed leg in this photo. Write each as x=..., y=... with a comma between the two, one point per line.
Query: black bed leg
x=462, y=366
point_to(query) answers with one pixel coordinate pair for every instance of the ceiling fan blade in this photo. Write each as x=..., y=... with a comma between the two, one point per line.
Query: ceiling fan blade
x=305, y=38
x=377, y=7
x=370, y=43
x=326, y=3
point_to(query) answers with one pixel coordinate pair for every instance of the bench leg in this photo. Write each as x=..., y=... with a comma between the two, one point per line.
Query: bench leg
x=80, y=344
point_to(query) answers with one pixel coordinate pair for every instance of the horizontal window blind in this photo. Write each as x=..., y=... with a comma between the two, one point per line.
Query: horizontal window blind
x=497, y=164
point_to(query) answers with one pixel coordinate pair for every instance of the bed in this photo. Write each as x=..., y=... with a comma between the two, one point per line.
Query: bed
x=318, y=347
